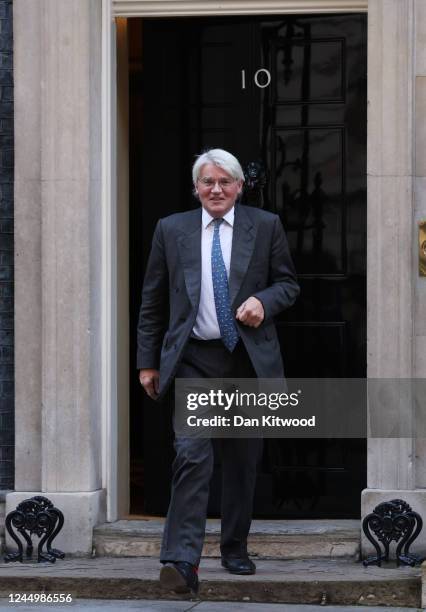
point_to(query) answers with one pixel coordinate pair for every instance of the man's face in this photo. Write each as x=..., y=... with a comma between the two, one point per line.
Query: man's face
x=217, y=190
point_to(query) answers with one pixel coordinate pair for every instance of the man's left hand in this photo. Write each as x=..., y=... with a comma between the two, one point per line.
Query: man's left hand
x=251, y=312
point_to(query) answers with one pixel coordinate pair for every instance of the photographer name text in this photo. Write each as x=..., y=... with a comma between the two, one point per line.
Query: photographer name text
x=239, y=421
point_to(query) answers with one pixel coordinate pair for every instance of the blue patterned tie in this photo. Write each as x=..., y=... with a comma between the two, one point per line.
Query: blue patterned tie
x=228, y=330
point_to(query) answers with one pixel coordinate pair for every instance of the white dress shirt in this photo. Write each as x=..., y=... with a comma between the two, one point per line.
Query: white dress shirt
x=206, y=326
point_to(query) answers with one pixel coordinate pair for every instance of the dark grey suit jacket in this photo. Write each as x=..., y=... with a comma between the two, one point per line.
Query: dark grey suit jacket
x=261, y=266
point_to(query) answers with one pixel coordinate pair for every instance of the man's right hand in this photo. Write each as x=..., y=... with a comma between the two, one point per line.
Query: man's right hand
x=150, y=381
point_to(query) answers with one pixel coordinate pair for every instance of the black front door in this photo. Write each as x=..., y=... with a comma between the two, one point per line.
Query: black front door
x=288, y=92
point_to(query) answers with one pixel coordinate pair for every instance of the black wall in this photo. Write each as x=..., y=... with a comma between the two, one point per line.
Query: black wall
x=6, y=249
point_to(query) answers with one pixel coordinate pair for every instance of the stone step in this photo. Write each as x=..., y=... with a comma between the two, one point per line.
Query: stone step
x=267, y=540
x=315, y=581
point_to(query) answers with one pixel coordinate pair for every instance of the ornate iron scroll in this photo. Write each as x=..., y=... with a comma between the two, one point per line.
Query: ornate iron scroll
x=393, y=521
x=35, y=516
x=255, y=181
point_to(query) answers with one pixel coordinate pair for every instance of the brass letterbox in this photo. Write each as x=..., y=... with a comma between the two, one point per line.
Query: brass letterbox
x=422, y=248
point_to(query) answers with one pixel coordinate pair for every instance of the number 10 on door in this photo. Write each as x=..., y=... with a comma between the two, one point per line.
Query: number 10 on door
x=261, y=78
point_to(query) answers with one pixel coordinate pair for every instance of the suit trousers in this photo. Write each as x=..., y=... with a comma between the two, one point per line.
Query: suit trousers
x=184, y=529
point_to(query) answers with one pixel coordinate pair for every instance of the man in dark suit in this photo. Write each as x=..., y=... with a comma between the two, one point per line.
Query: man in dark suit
x=215, y=279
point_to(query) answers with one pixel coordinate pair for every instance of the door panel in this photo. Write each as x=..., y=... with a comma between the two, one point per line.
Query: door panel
x=308, y=127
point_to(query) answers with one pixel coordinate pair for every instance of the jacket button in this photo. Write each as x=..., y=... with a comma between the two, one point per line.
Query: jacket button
x=177, y=289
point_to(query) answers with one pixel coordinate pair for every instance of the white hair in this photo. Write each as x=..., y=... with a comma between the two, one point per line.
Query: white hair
x=219, y=158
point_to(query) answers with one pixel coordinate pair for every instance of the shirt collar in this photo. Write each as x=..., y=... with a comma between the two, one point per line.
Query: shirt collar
x=206, y=217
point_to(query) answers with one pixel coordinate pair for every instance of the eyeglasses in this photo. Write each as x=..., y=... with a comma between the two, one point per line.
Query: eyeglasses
x=210, y=183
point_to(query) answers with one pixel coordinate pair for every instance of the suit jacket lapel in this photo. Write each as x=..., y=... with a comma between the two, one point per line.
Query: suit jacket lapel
x=243, y=241
x=189, y=246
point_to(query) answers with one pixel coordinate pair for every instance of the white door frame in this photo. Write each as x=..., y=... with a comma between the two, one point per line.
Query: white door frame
x=114, y=469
